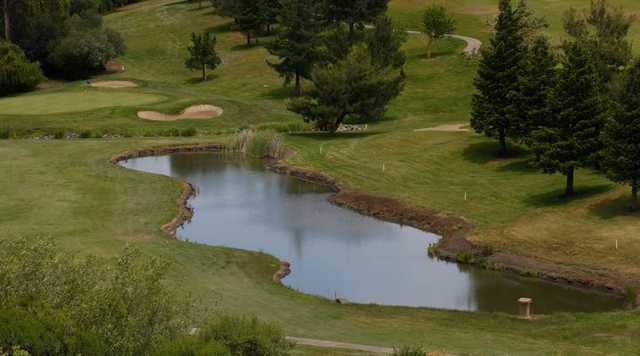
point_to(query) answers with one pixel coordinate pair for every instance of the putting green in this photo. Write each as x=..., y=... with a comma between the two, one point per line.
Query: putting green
x=77, y=101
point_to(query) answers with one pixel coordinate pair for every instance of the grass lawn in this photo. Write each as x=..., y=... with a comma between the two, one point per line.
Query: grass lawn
x=68, y=191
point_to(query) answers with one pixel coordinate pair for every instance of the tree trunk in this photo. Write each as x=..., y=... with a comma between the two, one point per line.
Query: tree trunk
x=7, y=21
x=504, y=150
x=570, y=181
x=248, y=38
x=634, y=196
x=298, y=85
x=429, y=47
x=352, y=32
x=204, y=72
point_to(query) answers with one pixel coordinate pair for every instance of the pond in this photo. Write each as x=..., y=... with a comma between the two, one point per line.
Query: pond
x=335, y=252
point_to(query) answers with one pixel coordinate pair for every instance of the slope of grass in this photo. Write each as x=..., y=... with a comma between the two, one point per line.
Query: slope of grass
x=69, y=192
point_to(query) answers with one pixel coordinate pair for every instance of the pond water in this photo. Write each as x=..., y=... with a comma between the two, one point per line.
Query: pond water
x=335, y=252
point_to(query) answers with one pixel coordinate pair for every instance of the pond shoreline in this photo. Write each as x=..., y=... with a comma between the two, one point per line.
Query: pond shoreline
x=453, y=246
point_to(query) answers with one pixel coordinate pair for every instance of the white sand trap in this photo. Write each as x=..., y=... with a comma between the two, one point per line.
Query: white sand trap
x=114, y=84
x=446, y=128
x=192, y=112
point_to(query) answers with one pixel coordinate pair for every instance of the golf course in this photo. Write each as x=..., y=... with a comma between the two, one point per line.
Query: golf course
x=64, y=178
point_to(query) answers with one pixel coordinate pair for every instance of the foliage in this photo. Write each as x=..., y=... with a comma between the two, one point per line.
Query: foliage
x=354, y=13
x=85, y=304
x=572, y=138
x=437, y=23
x=259, y=144
x=409, y=351
x=352, y=87
x=385, y=43
x=604, y=30
x=536, y=84
x=298, y=43
x=202, y=53
x=622, y=133
x=17, y=74
x=495, y=110
x=247, y=336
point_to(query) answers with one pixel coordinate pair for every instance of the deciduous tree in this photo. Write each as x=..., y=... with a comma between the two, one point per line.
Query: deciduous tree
x=437, y=23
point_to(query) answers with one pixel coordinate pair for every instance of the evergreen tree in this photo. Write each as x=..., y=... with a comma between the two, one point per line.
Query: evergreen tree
x=353, y=87
x=572, y=137
x=354, y=13
x=437, y=23
x=298, y=43
x=495, y=111
x=17, y=74
x=622, y=136
x=536, y=85
x=385, y=44
x=202, y=53
x=249, y=16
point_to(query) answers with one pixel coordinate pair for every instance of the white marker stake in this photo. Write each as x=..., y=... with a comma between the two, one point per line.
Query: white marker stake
x=465, y=196
x=383, y=168
x=616, y=244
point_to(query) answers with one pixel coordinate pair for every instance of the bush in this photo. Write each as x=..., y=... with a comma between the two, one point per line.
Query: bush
x=409, y=351
x=17, y=74
x=190, y=132
x=247, y=337
x=259, y=144
x=190, y=346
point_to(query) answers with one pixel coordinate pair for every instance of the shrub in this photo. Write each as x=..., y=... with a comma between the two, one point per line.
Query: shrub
x=259, y=144
x=409, y=351
x=247, y=336
x=190, y=132
x=17, y=74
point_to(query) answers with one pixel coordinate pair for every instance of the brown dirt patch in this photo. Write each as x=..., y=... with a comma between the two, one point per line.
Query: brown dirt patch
x=193, y=112
x=114, y=84
x=114, y=66
x=446, y=128
x=480, y=10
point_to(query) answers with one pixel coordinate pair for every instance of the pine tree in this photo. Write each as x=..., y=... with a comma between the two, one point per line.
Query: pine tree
x=352, y=87
x=249, y=16
x=572, y=136
x=297, y=44
x=622, y=136
x=536, y=85
x=495, y=111
x=385, y=44
x=354, y=13
x=202, y=53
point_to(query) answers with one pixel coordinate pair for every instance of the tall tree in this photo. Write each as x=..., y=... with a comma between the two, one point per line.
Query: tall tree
x=604, y=29
x=6, y=20
x=536, y=85
x=352, y=87
x=354, y=13
x=572, y=137
x=437, y=23
x=622, y=135
x=385, y=43
x=249, y=16
x=202, y=53
x=298, y=43
x=495, y=111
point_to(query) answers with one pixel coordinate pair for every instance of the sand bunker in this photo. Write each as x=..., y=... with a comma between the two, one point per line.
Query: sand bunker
x=114, y=84
x=446, y=128
x=192, y=112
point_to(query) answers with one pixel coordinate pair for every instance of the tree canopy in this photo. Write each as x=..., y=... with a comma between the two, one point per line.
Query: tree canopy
x=202, y=53
x=437, y=23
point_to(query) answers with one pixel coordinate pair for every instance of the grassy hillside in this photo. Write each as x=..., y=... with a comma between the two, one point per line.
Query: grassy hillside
x=67, y=189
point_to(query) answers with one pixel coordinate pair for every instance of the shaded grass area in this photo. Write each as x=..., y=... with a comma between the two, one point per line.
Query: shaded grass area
x=69, y=192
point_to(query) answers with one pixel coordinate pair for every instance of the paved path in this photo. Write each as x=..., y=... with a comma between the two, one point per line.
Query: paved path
x=473, y=44
x=340, y=345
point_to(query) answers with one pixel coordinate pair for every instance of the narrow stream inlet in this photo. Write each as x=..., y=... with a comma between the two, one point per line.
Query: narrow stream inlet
x=335, y=252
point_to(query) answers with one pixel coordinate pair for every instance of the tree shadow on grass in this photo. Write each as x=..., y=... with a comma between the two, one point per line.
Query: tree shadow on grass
x=198, y=80
x=485, y=152
x=280, y=93
x=326, y=136
x=614, y=207
x=558, y=198
x=222, y=28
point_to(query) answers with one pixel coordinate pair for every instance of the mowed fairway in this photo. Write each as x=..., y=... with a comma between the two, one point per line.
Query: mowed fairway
x=71, y=102
x=68, y=191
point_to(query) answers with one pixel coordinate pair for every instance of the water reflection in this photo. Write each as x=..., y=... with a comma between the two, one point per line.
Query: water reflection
x=336, y=252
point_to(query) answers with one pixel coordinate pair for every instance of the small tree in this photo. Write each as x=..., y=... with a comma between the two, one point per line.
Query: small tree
x=495, y=110
x=352, y=87
x=17, y=74
x=437, y=23
x=202, y=53
x=572, y=138
x=622, y=134
x=250, y=17
x=298, y=42
x=385, y=44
